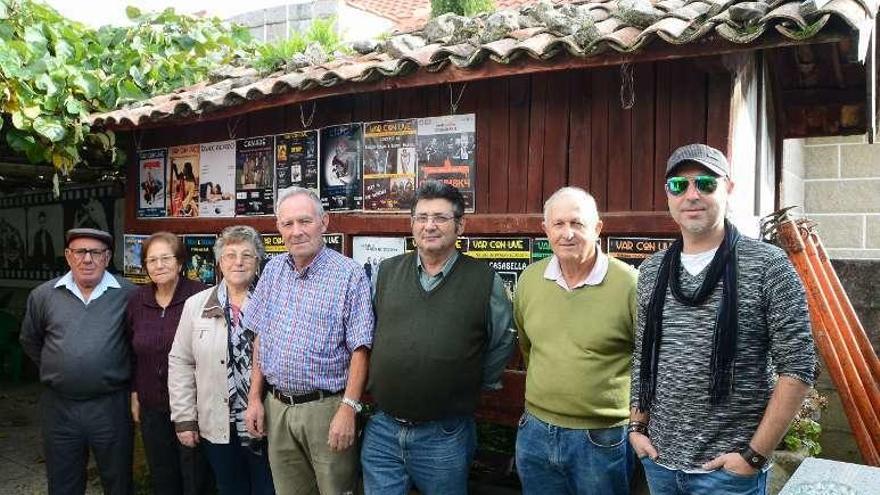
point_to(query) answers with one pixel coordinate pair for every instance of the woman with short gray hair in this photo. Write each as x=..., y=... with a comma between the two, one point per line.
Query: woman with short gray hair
x=208, y=401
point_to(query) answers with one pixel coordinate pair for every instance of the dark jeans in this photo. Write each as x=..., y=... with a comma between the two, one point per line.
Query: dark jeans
x=435, y=456
x=665, y=481
x=174, y=468
x=73, y=427
x=237, y=469
x=553, y=459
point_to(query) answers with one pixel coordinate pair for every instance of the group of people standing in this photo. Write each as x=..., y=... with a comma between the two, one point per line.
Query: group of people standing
x=695, y=365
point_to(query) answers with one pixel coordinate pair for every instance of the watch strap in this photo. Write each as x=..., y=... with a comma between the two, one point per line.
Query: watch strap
x=753, y=458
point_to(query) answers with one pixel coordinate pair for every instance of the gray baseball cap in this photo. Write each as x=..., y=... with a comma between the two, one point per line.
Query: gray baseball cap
x=701, y=154
x=100, y=235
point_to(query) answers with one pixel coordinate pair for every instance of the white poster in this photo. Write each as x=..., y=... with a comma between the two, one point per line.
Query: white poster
x=217, y=177
x=370, y=251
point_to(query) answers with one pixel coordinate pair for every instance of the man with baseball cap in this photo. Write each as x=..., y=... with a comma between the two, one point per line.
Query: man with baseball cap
x=724, y=355
x=74, y=329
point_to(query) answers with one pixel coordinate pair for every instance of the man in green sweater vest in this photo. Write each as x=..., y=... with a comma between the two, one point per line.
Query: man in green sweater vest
x=575, y=313
x=75, y=331
x=442, y=333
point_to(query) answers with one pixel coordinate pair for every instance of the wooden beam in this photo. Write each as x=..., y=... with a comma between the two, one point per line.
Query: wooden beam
x=647, y=223
x=823, y=97
x=656, y=51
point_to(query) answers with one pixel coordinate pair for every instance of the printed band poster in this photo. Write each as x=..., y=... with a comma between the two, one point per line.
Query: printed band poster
x=45, y=239
x=151, y=177
x=461, y=244
x=390, y=157
x=370, y=251
x=183, y=181
x=635, y=250
x=273, y=244
x=217, y=179
x=447, y=152
x=341, y=159
x=541, y=249
x=132, y=267
x=507, y=256
x=254, y=176
x=201, y=264
x=334, y=242
x=13, y=247
x=296, y=160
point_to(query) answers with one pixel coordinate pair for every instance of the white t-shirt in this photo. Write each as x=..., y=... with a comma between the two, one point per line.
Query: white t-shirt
x=695, y=263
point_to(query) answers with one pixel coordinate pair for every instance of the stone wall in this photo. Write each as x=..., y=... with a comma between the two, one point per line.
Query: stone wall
x=837, y=181
x=276, y=23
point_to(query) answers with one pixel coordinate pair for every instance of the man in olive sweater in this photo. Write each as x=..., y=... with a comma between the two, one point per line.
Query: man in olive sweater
x=74, y=330
x=442, y=333
x=575, y=313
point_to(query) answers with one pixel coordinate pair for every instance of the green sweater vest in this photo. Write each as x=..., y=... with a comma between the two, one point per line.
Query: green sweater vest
x=428, y=347
x=577, y=346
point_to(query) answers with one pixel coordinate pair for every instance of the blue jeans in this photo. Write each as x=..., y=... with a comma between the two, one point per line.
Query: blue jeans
x=665, y=481
x=237, y=469
x=435, y=456
x=555, y=460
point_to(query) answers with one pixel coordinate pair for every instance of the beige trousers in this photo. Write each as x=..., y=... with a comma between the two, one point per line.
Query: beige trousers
x=301, y=461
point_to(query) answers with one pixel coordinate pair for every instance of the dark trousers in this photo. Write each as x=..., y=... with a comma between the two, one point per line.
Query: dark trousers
x=73, y=427
x=174, y=468
x=237, y=469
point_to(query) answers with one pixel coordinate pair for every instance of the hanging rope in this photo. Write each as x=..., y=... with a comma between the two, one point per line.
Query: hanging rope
x=453, y=105
x=302, y=118
x=138, y=137
x=233, y=128
x=627, y=90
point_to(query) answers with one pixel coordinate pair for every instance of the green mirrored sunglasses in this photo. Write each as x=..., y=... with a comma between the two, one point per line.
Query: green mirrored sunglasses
x=705, y=184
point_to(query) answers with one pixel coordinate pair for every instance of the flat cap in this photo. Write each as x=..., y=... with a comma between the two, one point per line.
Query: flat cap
x=100, y=235
x=702, y=154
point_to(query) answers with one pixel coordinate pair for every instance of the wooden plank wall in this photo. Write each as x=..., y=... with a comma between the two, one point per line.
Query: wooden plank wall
x=535, y=133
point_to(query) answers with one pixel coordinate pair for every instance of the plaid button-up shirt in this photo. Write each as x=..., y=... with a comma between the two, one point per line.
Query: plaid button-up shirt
x=310, y=321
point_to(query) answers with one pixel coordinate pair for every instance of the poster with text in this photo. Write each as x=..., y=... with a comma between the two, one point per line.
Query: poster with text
x=217, y=179
x=447, y=152
x=508, y=256
x=254, y=175
x=334, y=242
x=201, y=264
x=151, y=183
x=461, y=244
x=370, y=251
x=132, y=268
x=273, y=244
x=634, y=250
x=296, y=160
x=541, y=249
x=390, y=157
x=183, y=181
x=341, y=158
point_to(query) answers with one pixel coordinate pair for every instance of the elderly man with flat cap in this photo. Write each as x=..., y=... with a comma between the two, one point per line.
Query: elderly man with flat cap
x=74, y=329
x=724, y=355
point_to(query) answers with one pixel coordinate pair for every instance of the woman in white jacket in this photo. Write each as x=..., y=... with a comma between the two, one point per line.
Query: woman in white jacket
x=209, y=370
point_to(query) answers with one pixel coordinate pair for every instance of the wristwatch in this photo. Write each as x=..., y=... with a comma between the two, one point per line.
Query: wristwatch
x=357, y=406
x=755, y=459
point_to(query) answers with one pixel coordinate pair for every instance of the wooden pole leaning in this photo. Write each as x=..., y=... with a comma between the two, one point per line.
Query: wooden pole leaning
x=826, y=332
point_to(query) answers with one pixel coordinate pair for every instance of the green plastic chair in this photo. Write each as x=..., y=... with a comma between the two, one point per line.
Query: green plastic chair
x=10, y=350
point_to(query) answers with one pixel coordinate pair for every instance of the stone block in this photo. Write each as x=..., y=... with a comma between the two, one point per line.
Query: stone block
x=793, y=156
x=275, y=15
x=821, y=162
x=849, y=196
x=872, y=231
x=277, y=31
x=854, y=254
x=792, y=189
x=861, y=160
x=250, y=19
x=325, y=8
x=836, y=140
x=841, y=231
x=299, y=11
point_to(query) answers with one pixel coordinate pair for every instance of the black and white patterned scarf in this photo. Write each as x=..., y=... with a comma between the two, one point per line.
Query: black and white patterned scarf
x=238, y=372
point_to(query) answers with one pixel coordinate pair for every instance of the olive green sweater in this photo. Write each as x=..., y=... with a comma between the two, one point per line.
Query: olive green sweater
x=577, y=346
